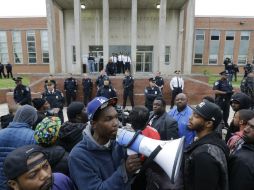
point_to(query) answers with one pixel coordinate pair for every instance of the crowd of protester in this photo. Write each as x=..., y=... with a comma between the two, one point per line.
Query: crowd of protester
x=38, y=150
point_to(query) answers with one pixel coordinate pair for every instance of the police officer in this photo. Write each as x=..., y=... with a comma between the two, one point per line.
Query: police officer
x=100, y=80
x=55, y=98
x=2, y=70
x=50, y=79
x=159, y=81
x=106, y=90
x=87, y=89
x=128, y=85
x=223, y=91
x=151, y=92
x=110, y=68
x=70, y=88
x=22, y=93
x=8, y=67
x=247, y=69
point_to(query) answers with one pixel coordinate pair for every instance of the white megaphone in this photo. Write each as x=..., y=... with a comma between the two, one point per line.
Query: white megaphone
x=168, y=158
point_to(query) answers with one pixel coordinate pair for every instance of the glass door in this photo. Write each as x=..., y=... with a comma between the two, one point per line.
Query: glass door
x=144, y=61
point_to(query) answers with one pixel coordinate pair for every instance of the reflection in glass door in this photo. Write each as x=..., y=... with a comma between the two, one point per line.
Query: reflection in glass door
x=144, y=61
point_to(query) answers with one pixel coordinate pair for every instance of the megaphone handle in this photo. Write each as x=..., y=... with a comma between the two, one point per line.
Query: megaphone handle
x=133, y=139
x=150, y=158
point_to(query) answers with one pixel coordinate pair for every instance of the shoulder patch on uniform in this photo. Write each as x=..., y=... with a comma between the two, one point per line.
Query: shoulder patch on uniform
x=216, y=83
x=27, y=88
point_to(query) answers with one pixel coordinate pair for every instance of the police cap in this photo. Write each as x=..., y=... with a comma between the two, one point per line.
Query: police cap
x=224, y=72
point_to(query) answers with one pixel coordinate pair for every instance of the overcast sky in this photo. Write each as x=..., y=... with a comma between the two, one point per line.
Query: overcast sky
x=14, y=8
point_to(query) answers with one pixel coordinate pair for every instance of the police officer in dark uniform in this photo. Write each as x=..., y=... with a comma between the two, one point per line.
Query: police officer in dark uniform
x=128, y=85
x=87, y=89
x=55, y=98
x=151, y=92
x=2, y=70
x=70, y=88
x=223, y=91
x=106, y=90
x=110, y=68
x=22, y=93
x=247, y=69
x=100, y=80
x=159, y=81
x=8, y=68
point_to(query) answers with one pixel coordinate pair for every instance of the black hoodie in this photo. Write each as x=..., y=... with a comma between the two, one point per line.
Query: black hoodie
x=205, y=164
x=70, y=134
x=243, y=99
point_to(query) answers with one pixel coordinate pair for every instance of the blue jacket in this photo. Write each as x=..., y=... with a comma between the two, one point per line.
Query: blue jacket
x=93, y=166
x=182, y=119
x=14, y=136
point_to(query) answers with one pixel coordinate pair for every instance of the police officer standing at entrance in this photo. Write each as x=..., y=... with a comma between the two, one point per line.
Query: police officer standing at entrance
x=151, y=92
x=223, y=91
x=22, y=93
x=70, y=88
x=128, y=85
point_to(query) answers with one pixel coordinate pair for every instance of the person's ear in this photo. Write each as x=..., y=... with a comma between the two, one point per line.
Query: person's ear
x=93, y=124
x=209, y=124
x=13, y=184
x=241, y=122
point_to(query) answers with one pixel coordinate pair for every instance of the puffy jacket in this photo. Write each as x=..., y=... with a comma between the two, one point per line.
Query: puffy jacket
x=14, y=136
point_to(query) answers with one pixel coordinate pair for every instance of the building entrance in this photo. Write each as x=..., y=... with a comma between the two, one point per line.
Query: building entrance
x=144, y=59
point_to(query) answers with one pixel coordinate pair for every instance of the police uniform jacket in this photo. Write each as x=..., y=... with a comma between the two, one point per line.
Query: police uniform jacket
x=87, y=85
x=22, y=94
x=128, y=83
x=225, y=86
x=54, y=98
x=70, y=84
x=151, y=93
x=106, y=91
x=100, y=80
x=159, y=81
x=1, y=67
x=8, y=67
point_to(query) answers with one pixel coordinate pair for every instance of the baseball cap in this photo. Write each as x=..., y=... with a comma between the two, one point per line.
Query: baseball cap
x=99, y=103
x=209, y=111
x=17, y=79
x=15, y=164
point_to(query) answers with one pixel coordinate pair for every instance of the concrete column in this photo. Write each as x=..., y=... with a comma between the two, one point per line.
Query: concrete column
x=77, y=69
x=105, y=31
x=62, y=41
x=161, y=37
x=133, y=35
x=51, y=36
x=189, y=33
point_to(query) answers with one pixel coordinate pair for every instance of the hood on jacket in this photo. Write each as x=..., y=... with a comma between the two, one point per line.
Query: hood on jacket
x=212, y=138
x=243, y=99
x=26, y=114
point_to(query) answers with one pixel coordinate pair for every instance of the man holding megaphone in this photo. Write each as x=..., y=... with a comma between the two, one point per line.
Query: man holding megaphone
x=98, y=162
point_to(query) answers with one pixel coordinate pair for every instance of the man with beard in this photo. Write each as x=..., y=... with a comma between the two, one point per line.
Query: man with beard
x=205, y=160
x=27, y=168
x=241, y=163
x=162, y=122
x=181, y=113
x=98, y=162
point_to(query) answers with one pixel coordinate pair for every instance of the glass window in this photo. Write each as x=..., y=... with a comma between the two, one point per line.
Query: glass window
x=4, y=57
x=199, y=46
x=214, y=47
x=243, y=47
x=44, y=46
x=167, y=55
x=31, y=47
x=17, y=47
x=144, y=58
x=229, y=43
